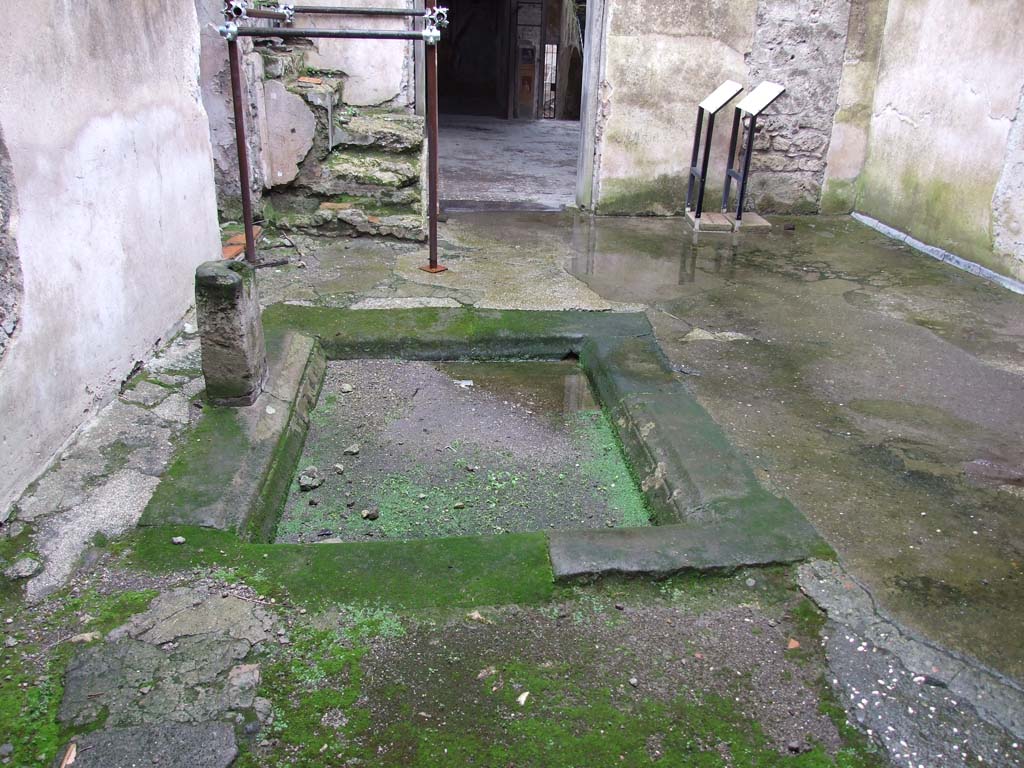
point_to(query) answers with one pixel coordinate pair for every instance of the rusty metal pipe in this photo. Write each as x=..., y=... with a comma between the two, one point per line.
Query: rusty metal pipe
x=430, y=51
x=243, y=150
x=340, y=11
x=263, y=13
x=368, y=34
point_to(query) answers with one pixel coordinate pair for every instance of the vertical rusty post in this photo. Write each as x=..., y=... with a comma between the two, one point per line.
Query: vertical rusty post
x=243, y=150
x=430, y=51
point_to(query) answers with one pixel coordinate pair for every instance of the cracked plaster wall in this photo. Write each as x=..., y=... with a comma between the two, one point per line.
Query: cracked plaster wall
x=661, y=57
x=1008, y=201
x=849, y=144
x=10, y=267
x=944, y=149
x=113, y=186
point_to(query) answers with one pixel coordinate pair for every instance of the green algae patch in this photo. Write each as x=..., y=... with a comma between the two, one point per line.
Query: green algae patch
x=632, y=196
x=608, y=468
x=580, y=728
x=313, y=685
x=483, y=570
x=550, y=686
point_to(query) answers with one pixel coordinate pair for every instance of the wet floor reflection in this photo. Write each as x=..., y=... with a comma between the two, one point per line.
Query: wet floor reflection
x=553, y=389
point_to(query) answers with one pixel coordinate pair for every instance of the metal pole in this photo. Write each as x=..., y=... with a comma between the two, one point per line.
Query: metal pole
x=732, y=158
x=693, y=159
x=342, y=11
x=358, y=11
x=746, y=168
x=261, y=13
x=432, y=164
x=704, y=167
x=243, y=150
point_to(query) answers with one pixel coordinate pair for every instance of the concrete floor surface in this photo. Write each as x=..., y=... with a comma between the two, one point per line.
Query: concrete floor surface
x=880, y=391
x=528, y=163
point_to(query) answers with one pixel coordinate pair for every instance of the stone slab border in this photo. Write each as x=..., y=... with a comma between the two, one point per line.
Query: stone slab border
x=710, y=511
x=233, y=470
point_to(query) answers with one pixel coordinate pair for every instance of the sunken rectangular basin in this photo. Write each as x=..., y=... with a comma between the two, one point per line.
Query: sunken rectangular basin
x=632, y=477
x=400, y=449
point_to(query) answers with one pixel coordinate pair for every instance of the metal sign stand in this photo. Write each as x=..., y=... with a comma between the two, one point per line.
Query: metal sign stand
x=434, y=18
x=752, y=105
x=711, y=105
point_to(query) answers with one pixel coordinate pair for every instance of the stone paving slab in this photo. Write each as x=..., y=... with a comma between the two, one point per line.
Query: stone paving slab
x=997, y=698
x=168, y=745
x=759, y=530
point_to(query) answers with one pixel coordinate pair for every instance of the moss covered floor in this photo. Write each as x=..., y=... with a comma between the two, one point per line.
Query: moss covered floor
x=457, y=651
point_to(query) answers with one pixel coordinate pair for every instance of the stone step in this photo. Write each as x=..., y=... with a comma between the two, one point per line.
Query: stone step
x=345, y=216
x=321, y=91
x=386, y=130
x=282, y=61
x=387, y=177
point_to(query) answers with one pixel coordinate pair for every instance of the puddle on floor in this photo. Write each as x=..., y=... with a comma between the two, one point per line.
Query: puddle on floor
x=410, y=450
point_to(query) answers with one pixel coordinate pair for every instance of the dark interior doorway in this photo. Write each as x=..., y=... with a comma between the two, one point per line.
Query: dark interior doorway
x=512, y=59
x=472, y=68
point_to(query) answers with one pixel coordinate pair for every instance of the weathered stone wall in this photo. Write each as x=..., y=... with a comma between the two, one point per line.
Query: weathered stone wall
x=375, y=73
x=113, y=186
x=943, y=132
x=800, y=44
x=661, y=57
x=1008, y=201
x=10, y=266
x=215, y=83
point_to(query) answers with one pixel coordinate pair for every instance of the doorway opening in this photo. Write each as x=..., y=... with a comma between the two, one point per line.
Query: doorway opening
x=510, y=89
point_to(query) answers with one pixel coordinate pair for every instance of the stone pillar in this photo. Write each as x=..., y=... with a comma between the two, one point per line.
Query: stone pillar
x=230, y=331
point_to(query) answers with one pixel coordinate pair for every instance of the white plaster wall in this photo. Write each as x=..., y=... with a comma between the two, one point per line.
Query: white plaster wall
x=661, y=58
x=949, y=84
x=110, y=149
x=377, y=71
x=849, y=145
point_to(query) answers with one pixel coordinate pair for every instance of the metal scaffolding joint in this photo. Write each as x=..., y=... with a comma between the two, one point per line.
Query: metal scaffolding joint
x=235, y=9
x=437, y=17
x=229, y=32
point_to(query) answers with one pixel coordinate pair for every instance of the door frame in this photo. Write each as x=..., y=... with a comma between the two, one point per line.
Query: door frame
x=588, y=164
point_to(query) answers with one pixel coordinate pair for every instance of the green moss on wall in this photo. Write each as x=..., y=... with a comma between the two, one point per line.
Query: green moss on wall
x=664, y=195
x=953, y=214
x=839, y=196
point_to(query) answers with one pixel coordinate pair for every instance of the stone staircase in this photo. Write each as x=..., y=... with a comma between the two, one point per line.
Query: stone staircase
x=332, y=168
